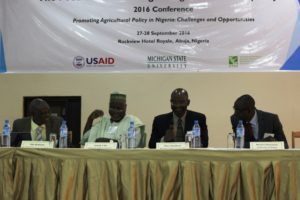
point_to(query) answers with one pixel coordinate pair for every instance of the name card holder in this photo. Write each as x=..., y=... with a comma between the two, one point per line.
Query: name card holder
x=37, y=144
x=100, y=145
x=266, y=145
x=172, y=145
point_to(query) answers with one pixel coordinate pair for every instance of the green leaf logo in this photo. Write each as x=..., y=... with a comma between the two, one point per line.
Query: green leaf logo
x=233, y=61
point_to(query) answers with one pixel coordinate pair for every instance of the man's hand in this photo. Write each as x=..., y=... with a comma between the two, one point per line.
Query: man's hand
x=269, y=139
x=170, y=134
x=94, y=115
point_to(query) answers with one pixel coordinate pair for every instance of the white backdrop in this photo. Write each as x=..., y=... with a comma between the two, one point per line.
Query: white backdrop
x=147, y=35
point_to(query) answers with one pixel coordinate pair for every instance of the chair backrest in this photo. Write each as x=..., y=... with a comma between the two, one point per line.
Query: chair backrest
x=295, y=134
x=142, y=143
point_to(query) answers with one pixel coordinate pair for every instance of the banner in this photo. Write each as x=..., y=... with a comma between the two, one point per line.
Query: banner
x=149, y=35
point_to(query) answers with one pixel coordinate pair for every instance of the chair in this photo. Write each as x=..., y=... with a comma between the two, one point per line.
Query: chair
x=295, y=134
x=142, y=143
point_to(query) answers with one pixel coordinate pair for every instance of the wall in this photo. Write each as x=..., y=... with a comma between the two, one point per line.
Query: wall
x=148, y=94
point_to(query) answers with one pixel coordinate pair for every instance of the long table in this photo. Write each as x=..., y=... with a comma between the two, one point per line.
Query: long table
x=149, y=174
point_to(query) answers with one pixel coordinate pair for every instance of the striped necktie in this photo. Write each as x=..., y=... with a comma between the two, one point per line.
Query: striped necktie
x=38, y=132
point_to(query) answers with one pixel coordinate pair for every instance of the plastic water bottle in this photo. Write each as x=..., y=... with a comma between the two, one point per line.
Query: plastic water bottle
x=63, y=135
x=239, y=137
x=196, y=140
x=131, y=136
x=6, y=134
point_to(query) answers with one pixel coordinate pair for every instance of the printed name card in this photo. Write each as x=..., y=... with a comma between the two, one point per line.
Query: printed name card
x=37, y=144
x=266, y=145
x=100, y=145
x=172, y=145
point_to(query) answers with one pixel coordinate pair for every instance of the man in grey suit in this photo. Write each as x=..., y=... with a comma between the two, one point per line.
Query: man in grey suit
x=257, y=123
x=39, y=124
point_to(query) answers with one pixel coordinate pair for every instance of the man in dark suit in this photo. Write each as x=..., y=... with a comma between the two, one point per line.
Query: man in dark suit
x=166, y=126
x=39, y=124
x=259, y=125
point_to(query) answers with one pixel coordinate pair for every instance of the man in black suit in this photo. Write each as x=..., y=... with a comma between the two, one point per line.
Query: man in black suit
x=166, y=126
x=258, y=124
x=39, y=124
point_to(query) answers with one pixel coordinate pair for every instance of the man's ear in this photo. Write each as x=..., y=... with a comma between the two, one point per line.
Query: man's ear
x=188, y=103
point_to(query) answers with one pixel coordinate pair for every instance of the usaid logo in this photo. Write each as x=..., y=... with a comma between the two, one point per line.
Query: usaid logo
x=100, y=61
x=80, y=62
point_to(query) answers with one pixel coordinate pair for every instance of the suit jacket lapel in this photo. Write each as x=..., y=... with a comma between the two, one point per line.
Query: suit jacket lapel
x=189, y=122
x=27, y=125
x=260, y=120
x=168, y=120
x=48, y=128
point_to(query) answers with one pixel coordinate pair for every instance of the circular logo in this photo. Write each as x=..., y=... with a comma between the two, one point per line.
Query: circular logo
x=78, y=62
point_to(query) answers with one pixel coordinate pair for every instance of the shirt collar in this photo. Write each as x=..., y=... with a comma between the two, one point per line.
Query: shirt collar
x=175, y=118
x=35, y=126
x=254, y=119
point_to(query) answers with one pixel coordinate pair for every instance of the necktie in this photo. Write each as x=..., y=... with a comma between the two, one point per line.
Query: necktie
x=179, y=133
x=38, y=132
x=249, y=131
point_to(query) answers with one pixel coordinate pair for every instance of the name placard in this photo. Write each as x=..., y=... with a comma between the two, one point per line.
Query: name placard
x=172, y=145
x=37, y=144
x=100, y=145
x=266, y=145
